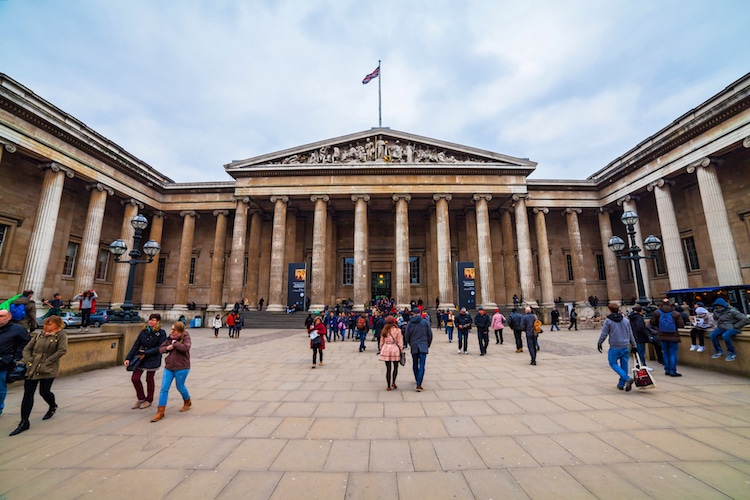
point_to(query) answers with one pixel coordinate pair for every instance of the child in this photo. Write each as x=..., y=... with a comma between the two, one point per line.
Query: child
x=702, y=322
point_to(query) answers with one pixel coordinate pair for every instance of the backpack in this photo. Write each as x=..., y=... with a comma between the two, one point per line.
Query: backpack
x=361, y=324
x=17, y=312
x=666, y=323
x=537, y=326
x=515, y=323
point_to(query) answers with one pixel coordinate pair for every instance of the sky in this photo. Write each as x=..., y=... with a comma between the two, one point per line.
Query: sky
x=188, y=86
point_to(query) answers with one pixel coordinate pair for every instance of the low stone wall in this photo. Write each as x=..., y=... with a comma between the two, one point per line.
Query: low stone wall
x=91, y=351
x=740, y=366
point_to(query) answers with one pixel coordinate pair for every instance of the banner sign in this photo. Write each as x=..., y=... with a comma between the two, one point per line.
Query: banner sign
x=466, y=285
x=297, y=283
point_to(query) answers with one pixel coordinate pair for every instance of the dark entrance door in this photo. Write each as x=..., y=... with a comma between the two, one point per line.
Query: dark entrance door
x=381, y=285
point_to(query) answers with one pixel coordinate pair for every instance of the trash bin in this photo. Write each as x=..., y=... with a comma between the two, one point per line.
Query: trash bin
x=192, y=323
x=197, y=322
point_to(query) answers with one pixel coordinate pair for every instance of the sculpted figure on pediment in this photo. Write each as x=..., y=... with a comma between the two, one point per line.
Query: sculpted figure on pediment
x=396, y=153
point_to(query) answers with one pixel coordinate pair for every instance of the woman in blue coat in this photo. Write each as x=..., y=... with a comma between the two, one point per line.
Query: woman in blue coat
x=146, y=347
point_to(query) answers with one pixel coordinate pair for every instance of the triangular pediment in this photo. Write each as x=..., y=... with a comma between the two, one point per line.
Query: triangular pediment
x=379, y=147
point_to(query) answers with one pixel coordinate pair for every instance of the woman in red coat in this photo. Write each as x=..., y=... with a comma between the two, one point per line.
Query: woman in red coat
x=317, y=339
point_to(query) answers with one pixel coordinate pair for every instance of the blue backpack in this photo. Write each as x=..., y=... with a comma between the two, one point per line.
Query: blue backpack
x=666, y=323
x=17, y=312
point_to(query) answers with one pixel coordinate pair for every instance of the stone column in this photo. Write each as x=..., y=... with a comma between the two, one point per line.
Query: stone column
x=278, y=244
x=670, y=235
x=319, y=275
x=362, y=283
x=92, y=232
x=717, y=223
x=186, y=254
x=628, y=203
x=545, y=266
x=580, y=286
x=253, y=257
x=43, y=233
x=509, y=260
x=148, y=290
x=122, y=271
x=443, y=232
x=484, y=248
x=525, y=261
x=610, y=259
x=403, y=287
x=217, y=261
x=10, y=148
x=236, y=270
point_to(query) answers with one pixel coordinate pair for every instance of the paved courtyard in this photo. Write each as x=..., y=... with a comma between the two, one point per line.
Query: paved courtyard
x=265, y=425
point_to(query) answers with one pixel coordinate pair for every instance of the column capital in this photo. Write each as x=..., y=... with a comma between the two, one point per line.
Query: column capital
x=241, y=199
x=159, y=213
x=100, y=187
x=520, y=196
x=324, y=197
x=627, y=198
x=189, y=213
x=543, y=210
x=442, y=196
x=9, y=147
x=481, y=196
x=405, y=197
x=258, y=211
x=703, y=162
x=569, y=211
x=605, y=210
x=284, y=199
x=745, y=142
x=225, y=213
x=133, y=202
x=659, y=183
x=56, y=167
x=365, y=197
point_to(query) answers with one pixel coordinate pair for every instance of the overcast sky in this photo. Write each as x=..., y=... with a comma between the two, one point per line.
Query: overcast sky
x=188, y=86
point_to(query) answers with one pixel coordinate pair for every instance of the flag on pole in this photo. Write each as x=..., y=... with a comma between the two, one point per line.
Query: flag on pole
x=372, y=75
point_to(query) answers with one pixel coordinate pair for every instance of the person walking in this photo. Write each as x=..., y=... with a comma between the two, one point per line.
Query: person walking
x=362, y=329
x=482, y=322
x=13, y=338
x=668, y=321
x=419, y=338
x=555, y=317
x=391, y=347
x=463, y=322
x=449, y=322
x=239, y=322
x=527, y=325
x=230, y=323
x=216, y=324
x=729, y=322
x=87, y=305
x=573, y=319
x=516, y=324
x=640, y=332
x=42, y=357
x=317, y=332
x=498, y=323
x=621, y=339
x=176, y=367
x=146, y=347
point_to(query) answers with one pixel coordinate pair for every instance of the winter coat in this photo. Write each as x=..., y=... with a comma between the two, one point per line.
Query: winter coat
x=703, y=320
x=13, y=338
x=321, y=329
x=179, y=357
x=482, y=322
x=638, y=325
x=29, y=322
x=418, y=335
x=730, y=318
x=42, y=355
x=148, y=343
x=527, y=323
x=463, y=321
x=498, y=321
x=678, y=321
x=216, y=323
x=391, y=344
x=619, y=331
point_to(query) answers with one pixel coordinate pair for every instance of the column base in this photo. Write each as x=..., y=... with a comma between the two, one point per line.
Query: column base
x=489, y=306
x=445, y=306
x=316, y=307
x=147, y=307
x=214, y=308
x=403, y=306
x=180, y=307
x=275, y=308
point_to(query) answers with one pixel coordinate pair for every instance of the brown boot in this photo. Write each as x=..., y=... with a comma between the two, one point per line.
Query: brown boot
x=159, y=414
x=186, y=405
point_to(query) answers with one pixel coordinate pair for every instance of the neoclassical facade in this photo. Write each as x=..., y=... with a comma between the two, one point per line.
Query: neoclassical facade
x=378, y=212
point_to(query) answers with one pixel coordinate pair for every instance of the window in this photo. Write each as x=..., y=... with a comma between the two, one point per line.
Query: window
x=102, y=264
x=160, y=267
x=4, y=233
x=347, y=271
x=69, y=267
x=191, y=277
x=414, y=277
x=600, y=268
x=569, y=265
x=659, y=267
x=691, y=254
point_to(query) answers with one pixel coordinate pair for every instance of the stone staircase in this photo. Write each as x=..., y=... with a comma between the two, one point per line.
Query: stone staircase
x=279, y=320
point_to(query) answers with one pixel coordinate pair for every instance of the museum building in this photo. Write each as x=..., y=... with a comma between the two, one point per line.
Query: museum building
x=377, y=212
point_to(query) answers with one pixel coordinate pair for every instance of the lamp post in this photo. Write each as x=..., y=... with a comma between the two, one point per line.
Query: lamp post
x=652, y=244
x=118, y=248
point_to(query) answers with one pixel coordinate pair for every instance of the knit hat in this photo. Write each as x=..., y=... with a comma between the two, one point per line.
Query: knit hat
x=701, y=310
x=720, y=302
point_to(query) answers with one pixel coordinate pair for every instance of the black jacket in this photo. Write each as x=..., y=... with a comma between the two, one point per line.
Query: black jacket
x=13, y=338
x=148, y=343
x=483, y=322
x=640, y=331
x=461, y=320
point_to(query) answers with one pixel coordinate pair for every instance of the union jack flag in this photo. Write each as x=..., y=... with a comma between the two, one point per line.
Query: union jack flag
x=372, y=75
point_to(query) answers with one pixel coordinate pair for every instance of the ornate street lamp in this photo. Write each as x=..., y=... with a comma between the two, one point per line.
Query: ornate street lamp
x=118, y=248
x=652, y=244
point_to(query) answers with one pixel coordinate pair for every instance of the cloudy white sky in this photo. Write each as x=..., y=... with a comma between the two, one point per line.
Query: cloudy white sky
x=188, y=86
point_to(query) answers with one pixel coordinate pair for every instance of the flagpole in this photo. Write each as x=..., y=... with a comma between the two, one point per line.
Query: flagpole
x=380, y=107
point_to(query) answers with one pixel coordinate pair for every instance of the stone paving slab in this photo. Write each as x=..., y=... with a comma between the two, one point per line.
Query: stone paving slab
x=264, y=424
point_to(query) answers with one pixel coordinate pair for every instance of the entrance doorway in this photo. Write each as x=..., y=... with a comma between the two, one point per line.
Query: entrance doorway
x=381, y=284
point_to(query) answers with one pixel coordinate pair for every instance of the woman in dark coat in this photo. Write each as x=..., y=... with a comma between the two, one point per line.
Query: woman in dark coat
x=146, y=347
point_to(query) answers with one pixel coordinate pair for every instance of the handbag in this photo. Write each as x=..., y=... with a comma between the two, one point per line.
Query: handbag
x=135, y=363
x=641, y=376
x=17, y=373
x=403, y=358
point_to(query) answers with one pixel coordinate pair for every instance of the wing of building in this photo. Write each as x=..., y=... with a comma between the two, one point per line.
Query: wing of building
x=373, y=213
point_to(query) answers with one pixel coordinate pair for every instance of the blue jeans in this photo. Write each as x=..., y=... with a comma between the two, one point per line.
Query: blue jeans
x=531, y=345
x=449, y=331
x=362, y=338
x=463, y=339
x=554, y=325
x=3, y=389
x=179, y=376
x=670, y=356
x=642, y=352
x=727, y=336
x=418, y=360
x=618, y=361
